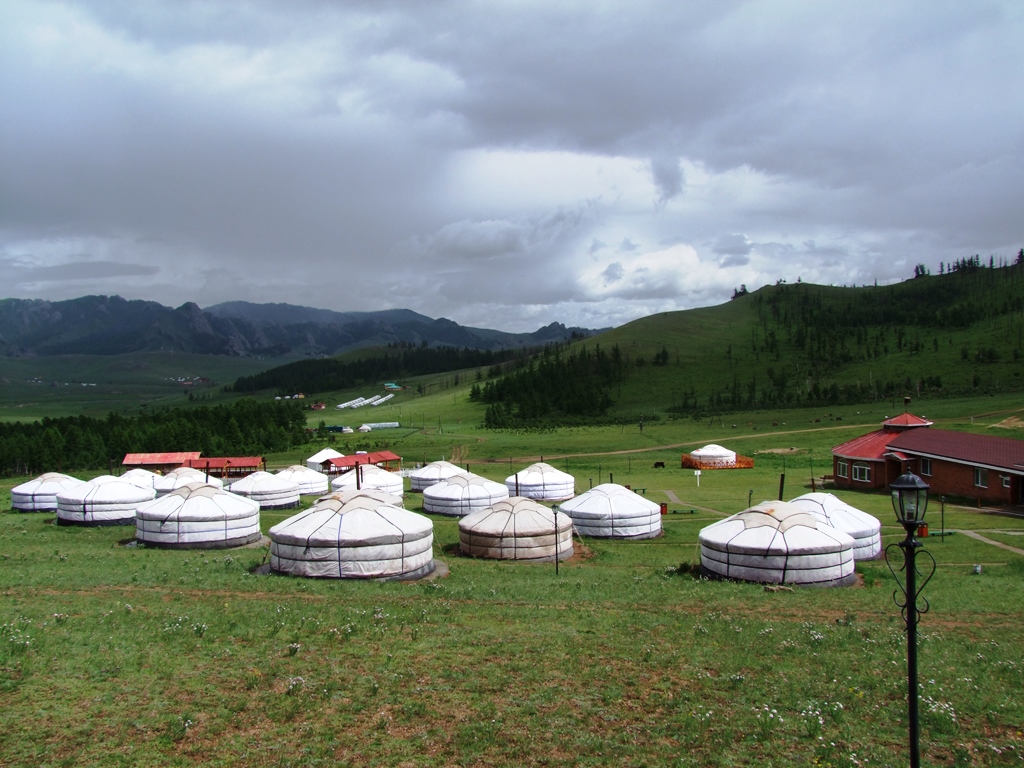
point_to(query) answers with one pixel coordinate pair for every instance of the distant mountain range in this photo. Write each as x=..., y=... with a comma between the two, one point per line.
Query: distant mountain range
x=110, y=325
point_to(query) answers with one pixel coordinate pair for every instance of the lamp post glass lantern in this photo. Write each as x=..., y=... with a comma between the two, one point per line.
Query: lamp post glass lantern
x=910, y=503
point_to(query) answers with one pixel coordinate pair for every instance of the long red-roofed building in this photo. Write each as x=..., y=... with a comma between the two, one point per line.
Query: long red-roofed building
x=384, y=459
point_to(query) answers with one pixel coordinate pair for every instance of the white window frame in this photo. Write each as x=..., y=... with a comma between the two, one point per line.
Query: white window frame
x=862, y=473
x=980, y=477
x=926, y=467
x=1006, y=481
x=842, y=468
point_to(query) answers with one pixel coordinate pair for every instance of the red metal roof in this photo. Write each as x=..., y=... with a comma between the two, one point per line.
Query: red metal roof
x=363, y=458
x=998, y=452
x=906, y=421
x=869, y=447
x=221, y=462
x=160, y=458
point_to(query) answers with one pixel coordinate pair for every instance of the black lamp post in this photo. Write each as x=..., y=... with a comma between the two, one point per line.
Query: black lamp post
x=910, y=502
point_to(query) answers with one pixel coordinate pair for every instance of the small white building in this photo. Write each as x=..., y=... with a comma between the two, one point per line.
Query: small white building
x=104, y=500
x=517, y=529
x=267, y=490
x=612, y=511
x=370, y=477
x=315, y=462
x=432, y=473
x=40, y=494
x=310, y=482
x=198, y=516
x=712, y=456
x=462, y=494
x=543, y=482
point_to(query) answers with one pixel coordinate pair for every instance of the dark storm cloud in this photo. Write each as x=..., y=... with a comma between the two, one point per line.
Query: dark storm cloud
x=475, y=161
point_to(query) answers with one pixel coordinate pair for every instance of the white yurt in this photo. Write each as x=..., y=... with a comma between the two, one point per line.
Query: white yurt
x=365, y=428
x=865, y=529
x=318, y=458
x=141, y=477
x=516, y=528
x=370, y=477
x=543, y=482
x=432, y=473
x=310, y=482
x=381, y=496
x=267, y=490
x=356, y=538
x=612, y=511
x=460, y=495
x=198, y=516
x=714, y=456
x=347, y=431
x=40, y=494
x=183, y=476
x=104, y=500
x=777, y=543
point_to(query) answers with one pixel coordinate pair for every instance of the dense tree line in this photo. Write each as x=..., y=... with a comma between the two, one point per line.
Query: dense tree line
x=324, y=375
x=555, y=387
x=243, y=428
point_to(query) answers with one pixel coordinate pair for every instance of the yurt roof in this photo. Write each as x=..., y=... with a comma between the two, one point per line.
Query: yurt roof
x=713, y=451
x=381, y=497
x=541, y=472
x=47, y=484
x=141, y=477
x=324, y=454
x=437, y=469
x=609, y=500
x=297, y=473
x=106, y=489
x=263, y=482
x=198, y=502
x=775, y=527
x=182, y=476
x=466, y=484
x=516, y=516
x=360, y=521
x=835, y=512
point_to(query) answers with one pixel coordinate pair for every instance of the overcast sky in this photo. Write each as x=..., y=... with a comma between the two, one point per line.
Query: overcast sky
x=505, y=164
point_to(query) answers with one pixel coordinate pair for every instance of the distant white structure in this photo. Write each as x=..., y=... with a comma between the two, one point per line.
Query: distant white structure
x=714, y=456
x=267, y=490
x=359, y=537
x=865, y=529
x=315, y=461
x=348, y=404
x=104, y=500
x=542, y=481
x=612, y=511
x=462, y=494
x=434, y=472
x=517, y=529
x=40, y=494
x=365, y=428
x=183, y=476
x=198, y=516
x=141, y=477
x=310, y=482
x=777, y=543
x=369, y=477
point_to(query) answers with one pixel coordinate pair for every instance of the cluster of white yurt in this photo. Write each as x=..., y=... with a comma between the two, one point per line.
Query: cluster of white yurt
x=40, y=494
x=777, y=543
x=612, y=511
x=517, y=528
x=198, y=516
x=141, y=477
x=423, y=477
x=315, y=461
x=542, y=481
x=714, y=456
x=309, y=481
x=176, y=478
x=354, y=536
x=462, y=494
x=865, y=529
x=268, y=490
x=104, y=500
x=369, y=476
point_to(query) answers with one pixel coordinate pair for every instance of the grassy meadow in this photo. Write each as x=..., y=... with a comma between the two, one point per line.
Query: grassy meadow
x=120, y=655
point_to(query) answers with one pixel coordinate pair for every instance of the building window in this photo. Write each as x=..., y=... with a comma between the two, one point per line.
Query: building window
x=1006, y=481
x=926, y=467
x=980, y=478
x=842, y=469
x=862, y=473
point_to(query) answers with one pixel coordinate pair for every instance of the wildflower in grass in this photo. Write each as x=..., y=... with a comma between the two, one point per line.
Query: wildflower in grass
x=940, y=716
x=294, y=686
x=60, y=618
x=293, y=648
x=128, y=607
x=813, y=722
x=768, y=720
x=199, y=629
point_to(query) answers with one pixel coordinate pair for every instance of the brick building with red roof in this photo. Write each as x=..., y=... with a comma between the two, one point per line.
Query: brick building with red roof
x=983, y=467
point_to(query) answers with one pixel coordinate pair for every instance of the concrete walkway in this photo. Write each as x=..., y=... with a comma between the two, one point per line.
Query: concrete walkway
x=978, y=537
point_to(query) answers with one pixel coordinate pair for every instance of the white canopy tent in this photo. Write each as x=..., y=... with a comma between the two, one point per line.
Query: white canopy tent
x=516, y=529
x=542, y=482
x=310, y=482
x=715, y=456
x=369, y=477
x=40, y=494
x=865, y=529
x=357, y=538
x=104, y=500
x=434, y=472
x=198, y=516
x=183, y=476
x=613, y=511
x=460, y=495
x=777, y=543
x=141, y=477
x=267, y=490
x=318, y=458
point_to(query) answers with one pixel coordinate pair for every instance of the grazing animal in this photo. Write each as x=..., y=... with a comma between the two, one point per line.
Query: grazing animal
x=659, y=465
